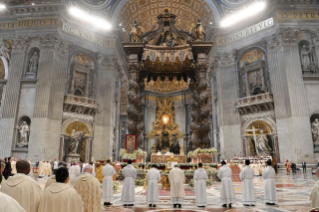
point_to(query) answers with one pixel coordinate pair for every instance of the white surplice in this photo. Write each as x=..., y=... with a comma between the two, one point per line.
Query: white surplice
x=24, y=190
x=152, y=195
x=247, y=176
x=314, y=196
x=176, y=178
x=107, y=186
x=227, y=192
x=61, y=197
x=74, y=173
x=200, y=177
x=270, y=185
x=128, y=191
x=8, y=204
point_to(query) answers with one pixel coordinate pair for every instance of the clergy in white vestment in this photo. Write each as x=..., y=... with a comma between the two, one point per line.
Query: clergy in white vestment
x=90, y=190
x=270, y=185
x=55, y=166
x=60, y=196
x=314, y=194
x=200, y=177
x=23, y=188
x=108, y=171
x=74, y=173
x=13, y=166
x=153, y=176
x=176, y=179
x=227, y=192
x=8, y=204
x=128, y=191
x=247, y=175
x=83, y=166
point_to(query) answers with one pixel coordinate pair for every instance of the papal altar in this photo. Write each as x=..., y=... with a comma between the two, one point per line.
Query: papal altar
x=163, y=158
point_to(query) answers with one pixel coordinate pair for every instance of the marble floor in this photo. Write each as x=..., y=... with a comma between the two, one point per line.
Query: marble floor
x=293, y=194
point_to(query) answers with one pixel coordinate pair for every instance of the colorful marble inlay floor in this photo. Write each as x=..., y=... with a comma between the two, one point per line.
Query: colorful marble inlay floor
x=293, y=194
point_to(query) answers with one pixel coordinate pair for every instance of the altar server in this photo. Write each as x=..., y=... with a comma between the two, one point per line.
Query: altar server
x=153, y=176
x=55, y=166
x=89, y=189
x=22, y=188
x=269, y=185
x=314, y=194
x=128, y=191
x=74, y=172
x=13, y=166
x=176, y=178
x=8, y=204
x=61, y=196
x=247, y=176
x=107, y=186
x=200, y=177
x=227, y=192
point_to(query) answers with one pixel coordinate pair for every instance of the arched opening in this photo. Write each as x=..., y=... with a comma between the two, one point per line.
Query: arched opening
x=314, y=120
x=31, y=68
x=307, y=57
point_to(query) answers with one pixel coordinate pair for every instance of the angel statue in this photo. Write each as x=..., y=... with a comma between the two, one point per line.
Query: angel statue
x=5, y=49
x=76, y=137
x=200, y=31
x=135, y=33
x=24, y=134
x=262, y=144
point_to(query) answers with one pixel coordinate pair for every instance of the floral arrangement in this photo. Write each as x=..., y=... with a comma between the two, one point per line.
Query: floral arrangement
x=116, y=185
x=208, y=183
x=120, y=175
x=137, y=153
x=192, y=183
x=140, y=182
x=164, y=173
x=199, y=151
x=189, y=172
x=191, y=154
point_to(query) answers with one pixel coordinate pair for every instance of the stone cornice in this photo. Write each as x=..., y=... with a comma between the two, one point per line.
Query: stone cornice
x=283, y=36
x=47, y=42
x=27, y=9
x=20, y=44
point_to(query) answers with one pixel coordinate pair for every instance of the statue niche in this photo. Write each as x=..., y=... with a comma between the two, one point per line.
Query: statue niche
x=307, y=57
x=164, y=126
x=252, y=73
x=314, y=120
x=23, y=129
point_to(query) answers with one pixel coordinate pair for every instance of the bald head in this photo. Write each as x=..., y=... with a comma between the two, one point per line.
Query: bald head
x=88, y=169
x=23, y=167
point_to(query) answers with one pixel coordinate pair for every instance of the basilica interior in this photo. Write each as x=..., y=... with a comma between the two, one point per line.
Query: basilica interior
x=247, y=89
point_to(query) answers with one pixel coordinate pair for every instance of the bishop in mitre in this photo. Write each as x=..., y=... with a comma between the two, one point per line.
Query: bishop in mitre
x=200, y=177
x=108, y=171
x=314, y=194
x=247, y=176
x=227, y=192
x=128, y=191
x=89, y=189
x=270, y=185
x=8, y=204
x=23, y=188
x=60, y=196
x=176, y=178
x=153, y=176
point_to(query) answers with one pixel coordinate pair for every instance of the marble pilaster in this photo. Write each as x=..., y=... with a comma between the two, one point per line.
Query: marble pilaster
x=10, y=103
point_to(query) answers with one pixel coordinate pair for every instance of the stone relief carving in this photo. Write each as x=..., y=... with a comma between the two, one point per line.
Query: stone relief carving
x=24, y=134
x=33, y=64
x=315, y=131
x=20, y=44
x=5, y=49
x=76, y=138
x=166, y=85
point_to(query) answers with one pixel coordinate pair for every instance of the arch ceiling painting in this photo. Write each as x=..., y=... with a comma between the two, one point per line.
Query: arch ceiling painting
x=146, y=11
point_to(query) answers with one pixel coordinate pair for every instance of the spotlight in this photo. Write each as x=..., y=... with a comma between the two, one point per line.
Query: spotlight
x=2, y=7
x=243, y=14
x=32, y=3
x=94, y=20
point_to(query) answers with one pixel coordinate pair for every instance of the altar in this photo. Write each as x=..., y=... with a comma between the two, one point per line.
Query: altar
x=163, y=158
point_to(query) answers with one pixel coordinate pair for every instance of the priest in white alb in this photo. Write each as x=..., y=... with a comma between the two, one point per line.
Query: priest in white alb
x=60, y=196
x=107, y=186
x=269, y=184
x=8, y=204
x=89, y=189
x=227, y=192
x=176, y=178
x=23, y=188
x=128, y=191
x=200, y=177
x=74, y=173
x=314, y=194
x=153, y=176
x=247, y=176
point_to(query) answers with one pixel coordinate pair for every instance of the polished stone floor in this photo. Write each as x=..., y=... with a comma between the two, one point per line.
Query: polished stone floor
x=293, y=194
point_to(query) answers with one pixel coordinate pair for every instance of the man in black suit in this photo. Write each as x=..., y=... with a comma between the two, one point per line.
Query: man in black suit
x=8, y=169
x=304, y=167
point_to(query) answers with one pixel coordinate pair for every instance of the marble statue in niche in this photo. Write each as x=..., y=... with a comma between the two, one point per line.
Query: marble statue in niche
x=76, y=138
x=5, y=49
x=33, y=64
x=315, y=131
x=24, y=134
x=307, y=58
x=262, y=144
